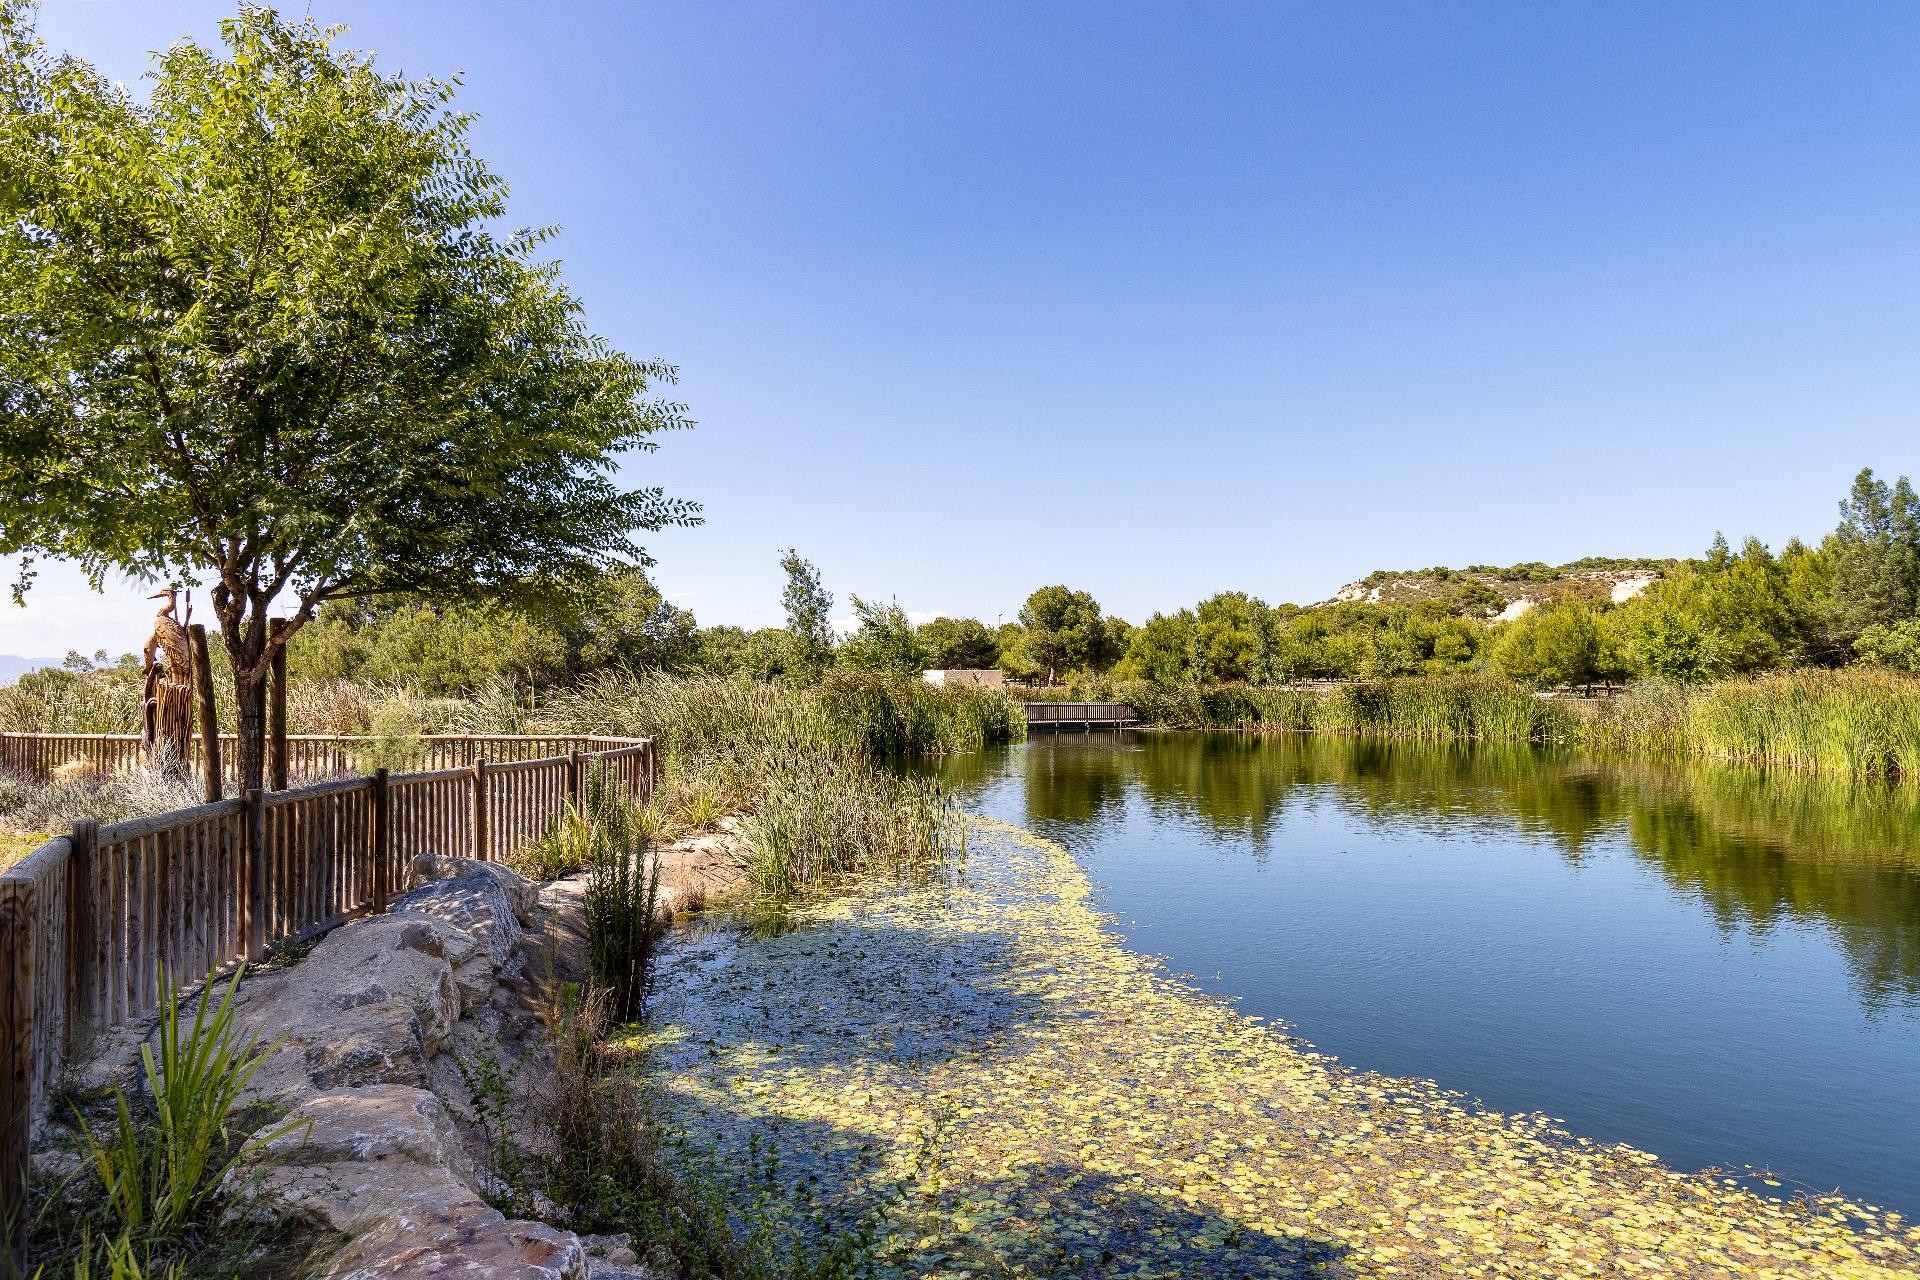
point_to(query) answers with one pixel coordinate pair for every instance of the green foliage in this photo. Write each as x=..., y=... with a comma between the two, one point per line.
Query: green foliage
x=1896, y=646
x=260, y=329
x=1452, y=707
x=1555, y=644
x=960, y=644
x=622, y=898
x=807, y=602
x=1877, y=569
x=885, y=640
x=397, y=742
x=163, y=1169
x=807, y=765
x=1063, y=632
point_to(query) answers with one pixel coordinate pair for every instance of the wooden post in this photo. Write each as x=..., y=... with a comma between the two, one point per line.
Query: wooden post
x=573, y=781
x=277, y=707
x=209, y=715
x=16, y=1052
x=254, y=898
x=83, y=961
x=480, y=809
x=382, y=842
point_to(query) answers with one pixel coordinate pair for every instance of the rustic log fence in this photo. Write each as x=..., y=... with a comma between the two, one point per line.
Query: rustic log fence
x=91, y=923
x=311, y=757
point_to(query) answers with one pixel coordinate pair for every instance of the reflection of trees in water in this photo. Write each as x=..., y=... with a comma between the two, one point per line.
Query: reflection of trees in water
x=1755, y=848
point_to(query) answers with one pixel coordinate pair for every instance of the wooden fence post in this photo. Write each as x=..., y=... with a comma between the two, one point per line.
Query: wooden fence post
x=16, y=1052
x=83, y=959
x=254, y=899
x=573, y=780
x=382, y=842
x=277, y=708
x=210, y=784
x=480, y=809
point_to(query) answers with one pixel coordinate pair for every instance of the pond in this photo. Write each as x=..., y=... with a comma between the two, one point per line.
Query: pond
x=1715, y=965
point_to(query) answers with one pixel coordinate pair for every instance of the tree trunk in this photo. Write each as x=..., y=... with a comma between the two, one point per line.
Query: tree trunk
x=250, y=701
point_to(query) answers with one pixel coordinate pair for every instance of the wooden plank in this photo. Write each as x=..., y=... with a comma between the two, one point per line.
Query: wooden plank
x=16, y=1045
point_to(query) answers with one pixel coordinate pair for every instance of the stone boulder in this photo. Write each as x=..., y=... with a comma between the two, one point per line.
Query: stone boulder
x=369, y=1005
x=522, y=895
x=468, y=1240
x=476, y=905
x=360, y=1155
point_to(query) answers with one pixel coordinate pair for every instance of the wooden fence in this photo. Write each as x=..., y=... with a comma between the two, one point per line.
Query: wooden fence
x=91, y=921
x=1080, y=715
x=312, y=757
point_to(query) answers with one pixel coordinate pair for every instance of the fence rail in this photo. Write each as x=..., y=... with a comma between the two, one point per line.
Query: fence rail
x=91, y=922
x=1080, y=715
x=310, y=756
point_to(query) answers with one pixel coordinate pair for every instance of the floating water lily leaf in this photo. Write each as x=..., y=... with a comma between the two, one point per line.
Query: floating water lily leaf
x=1039, y=1101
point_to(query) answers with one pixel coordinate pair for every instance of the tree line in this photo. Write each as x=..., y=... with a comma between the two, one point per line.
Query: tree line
x=1853, y=597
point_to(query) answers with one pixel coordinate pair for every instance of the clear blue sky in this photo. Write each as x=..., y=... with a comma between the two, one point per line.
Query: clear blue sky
x=1161, y=299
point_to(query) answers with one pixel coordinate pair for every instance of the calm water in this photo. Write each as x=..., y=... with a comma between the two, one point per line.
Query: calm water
x=1713, y=965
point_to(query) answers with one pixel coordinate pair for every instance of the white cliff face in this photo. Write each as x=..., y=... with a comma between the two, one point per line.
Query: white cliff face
x=1514, y=609
x=1625, y=589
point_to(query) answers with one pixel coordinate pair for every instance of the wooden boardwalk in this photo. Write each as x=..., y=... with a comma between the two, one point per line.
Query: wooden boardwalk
x=1086, y=716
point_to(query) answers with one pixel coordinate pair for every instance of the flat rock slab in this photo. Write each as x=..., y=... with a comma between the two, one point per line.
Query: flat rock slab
x=469, y=1241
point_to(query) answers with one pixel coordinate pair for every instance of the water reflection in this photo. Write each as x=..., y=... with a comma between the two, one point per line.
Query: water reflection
x=1754, y=848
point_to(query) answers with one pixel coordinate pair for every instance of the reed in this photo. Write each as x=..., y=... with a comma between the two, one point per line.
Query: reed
x=1857, y=723
x=808, y=767
x=1432, y=708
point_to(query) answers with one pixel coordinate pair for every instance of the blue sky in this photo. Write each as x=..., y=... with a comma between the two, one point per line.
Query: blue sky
x=1159, y=299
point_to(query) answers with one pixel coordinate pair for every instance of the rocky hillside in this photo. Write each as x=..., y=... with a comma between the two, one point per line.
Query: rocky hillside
x=1506, y=593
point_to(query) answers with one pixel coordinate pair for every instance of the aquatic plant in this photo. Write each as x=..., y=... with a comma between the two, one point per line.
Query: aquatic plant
x=1120, y=1124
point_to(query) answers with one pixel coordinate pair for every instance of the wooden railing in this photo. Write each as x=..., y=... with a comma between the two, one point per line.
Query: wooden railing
x=311, y=757
x=1080, y=715
x=92, y=922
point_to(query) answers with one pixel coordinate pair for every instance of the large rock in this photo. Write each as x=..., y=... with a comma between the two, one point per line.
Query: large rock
x=360, y=1155
x=475, y=903
x=523, y=896
x=369, y=1005
x=470, y=1241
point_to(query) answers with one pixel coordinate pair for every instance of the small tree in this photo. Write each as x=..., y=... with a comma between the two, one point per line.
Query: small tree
x=808, y=603
x=886, y=640
x=1065, y=632
x=960, y=644
x=259, y=330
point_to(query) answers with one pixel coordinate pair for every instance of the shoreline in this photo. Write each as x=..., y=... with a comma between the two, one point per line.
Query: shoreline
x=1055, y=1103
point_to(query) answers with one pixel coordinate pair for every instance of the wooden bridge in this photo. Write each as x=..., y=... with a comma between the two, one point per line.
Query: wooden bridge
x=1087, y=716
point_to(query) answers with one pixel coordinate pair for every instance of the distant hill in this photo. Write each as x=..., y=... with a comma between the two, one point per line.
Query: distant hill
x=12, y=666
x=1518, y=587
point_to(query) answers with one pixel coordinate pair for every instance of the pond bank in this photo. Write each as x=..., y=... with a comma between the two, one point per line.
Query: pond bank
x=1038, y=1100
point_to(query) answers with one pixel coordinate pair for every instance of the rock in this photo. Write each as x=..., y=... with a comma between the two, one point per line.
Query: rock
x=368, y=1006
x=469, y=1240
x=477, y=907
x=364, y=1154
x=523, y=896
x=613, y=1251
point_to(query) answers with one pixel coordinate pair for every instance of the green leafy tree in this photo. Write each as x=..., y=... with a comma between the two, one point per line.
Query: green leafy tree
x=1160, y=650
x=624, y=622
x=1895, y=645
x=259, y=330
x=1877, y=573
x=1015, y=662
x=1064, y=632
x=1552, y=644
x=885, y=641
x=960, y=644
x=807, y=602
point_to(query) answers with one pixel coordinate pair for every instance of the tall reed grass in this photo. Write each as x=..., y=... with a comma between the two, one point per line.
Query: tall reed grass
x=810, y=767
x=1857, y=723
x=1433, y=708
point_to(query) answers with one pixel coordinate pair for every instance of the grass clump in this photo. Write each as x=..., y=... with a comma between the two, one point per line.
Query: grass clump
x=809, y=767
x=162, y=1169
x=621, y=903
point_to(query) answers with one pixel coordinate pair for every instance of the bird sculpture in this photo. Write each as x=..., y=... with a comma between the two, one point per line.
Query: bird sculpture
x=167, y=706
